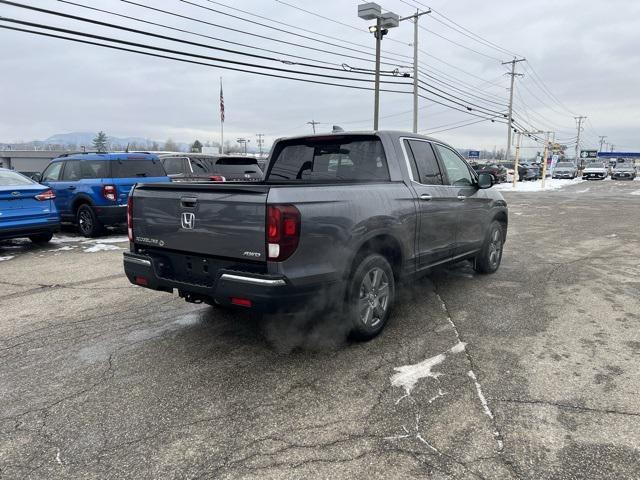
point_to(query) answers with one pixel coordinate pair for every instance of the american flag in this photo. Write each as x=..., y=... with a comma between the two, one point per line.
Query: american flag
x=221, y=103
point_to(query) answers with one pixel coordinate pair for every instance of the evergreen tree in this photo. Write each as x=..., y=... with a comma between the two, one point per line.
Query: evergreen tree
x=100, y=142
x=196, y=147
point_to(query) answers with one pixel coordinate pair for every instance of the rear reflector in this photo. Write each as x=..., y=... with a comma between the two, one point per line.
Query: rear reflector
x=142, y=281
x=217, y=178
x=242, y=302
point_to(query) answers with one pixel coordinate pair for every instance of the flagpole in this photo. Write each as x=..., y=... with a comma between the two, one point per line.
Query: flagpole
x=221, y=121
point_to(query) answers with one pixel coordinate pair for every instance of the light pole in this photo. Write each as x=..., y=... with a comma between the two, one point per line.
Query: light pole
x=384, y=21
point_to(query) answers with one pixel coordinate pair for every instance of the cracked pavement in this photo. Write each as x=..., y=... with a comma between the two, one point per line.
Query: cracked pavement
x=101, y=379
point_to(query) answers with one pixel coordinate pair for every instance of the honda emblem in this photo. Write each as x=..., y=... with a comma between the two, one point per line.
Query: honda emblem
x=188, y=220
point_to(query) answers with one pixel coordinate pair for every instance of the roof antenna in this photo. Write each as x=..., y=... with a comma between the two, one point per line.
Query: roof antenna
x=337, y=129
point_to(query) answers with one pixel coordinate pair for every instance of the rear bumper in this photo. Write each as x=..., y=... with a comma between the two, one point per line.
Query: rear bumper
x=27, y=231
x=266, y=293
x=111, y=215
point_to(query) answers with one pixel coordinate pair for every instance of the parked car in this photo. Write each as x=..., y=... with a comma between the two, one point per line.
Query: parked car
x=498, y=172
x=623, y=171
x=92, y=188
x=341, y=216
x=27, y=209
x=595, y=170
x=533, y=168
x=198, y=167
x=524, y=172
x=565, y=170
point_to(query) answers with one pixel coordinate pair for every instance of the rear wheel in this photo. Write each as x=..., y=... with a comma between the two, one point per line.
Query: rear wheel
x=88, y=223
x=370, y=297
x=41, y=238
x=488, y=261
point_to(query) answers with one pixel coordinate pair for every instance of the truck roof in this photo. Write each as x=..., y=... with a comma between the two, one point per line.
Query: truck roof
x=391, y=133
x=106, y=156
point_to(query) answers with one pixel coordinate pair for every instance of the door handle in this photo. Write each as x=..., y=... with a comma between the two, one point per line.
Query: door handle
x=71, y=187
x=461, y=197
x=426, y=197
x=189, y=202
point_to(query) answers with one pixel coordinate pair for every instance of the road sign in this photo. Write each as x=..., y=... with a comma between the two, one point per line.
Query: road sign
x=474, y=154
x=588, y=154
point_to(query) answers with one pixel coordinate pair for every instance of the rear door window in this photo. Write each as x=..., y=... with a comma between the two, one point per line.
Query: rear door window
x=133, y=168
x=335, y=159
x=94, y=169
x=426, y=169
x=236, y=161
x=71, y=171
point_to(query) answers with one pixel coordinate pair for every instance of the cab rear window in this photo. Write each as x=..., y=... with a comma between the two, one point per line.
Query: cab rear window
x=137, y=168
x=330, y=159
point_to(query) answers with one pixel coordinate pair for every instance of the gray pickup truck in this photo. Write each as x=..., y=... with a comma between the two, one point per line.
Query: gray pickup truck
x=338, y=220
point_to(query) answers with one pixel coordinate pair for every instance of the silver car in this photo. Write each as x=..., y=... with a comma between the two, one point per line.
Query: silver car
x=623, y=171
x=565, y=170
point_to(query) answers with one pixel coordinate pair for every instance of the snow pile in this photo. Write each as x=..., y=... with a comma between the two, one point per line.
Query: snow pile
x=536, y=185
x=635, y=192
x=4, y=259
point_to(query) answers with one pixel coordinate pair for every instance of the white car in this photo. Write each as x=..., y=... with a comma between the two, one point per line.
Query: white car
x=595, y=171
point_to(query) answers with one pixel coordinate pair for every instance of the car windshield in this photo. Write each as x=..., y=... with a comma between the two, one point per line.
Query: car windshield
x=595, y=165
x=564, y=165
x=10, y=179
x=624, y=166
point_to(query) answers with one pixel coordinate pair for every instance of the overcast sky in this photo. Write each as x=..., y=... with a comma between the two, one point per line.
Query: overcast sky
x=586, y=54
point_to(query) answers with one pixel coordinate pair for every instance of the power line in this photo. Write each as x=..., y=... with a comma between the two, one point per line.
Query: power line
x=460, y=44
x=184, y=60
x=178, y=52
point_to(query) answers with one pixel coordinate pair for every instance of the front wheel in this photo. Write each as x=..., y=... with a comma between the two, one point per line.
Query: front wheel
x=370, y=296
x=88, y=223
x=488, y=261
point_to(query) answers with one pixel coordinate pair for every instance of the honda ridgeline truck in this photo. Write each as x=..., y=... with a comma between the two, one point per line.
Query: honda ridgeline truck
x=338, y=220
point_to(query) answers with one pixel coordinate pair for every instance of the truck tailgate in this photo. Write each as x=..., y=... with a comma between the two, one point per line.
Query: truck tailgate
x=220, y=220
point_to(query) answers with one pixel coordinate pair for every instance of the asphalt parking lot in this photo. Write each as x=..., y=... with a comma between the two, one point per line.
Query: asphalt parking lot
x=530, y=373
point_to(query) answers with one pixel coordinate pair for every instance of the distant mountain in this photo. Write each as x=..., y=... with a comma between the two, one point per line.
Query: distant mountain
x=86, y=138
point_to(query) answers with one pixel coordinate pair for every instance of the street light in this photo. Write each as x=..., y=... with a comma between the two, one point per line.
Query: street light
x=384, y=21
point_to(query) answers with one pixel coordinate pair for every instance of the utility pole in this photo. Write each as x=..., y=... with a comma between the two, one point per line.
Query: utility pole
x=579, y=119
x=515, y=165
x=415, y=18
x=313, y=124
x=612, y=146
x=260, y=141
x=544, y=156
x=376, y=102
x=510, y=114
x=602, y=142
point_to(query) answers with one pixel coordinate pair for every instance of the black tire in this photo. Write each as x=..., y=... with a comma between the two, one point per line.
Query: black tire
x=41, y=238
x=488, y=261
x=88, y=224
x=370, y=296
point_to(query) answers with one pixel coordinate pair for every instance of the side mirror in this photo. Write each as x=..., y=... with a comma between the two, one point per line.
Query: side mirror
x=485, y=180
x=36, y=177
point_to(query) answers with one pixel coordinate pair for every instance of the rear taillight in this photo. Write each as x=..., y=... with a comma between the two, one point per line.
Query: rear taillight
x=283, y=231
x=109, y=192
x=46, y=195
x=130, y=218
x=217, y=178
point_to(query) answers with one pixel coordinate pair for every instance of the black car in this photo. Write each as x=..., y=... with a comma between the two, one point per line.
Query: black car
x=498, y=172
x=525, y=172
x=198, y=167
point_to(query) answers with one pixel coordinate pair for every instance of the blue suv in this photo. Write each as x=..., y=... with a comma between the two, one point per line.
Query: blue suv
x=92, y=188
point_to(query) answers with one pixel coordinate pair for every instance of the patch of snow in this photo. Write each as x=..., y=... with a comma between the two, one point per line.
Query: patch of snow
x=536, y=185
x=583, y=191
x=100, y=247
x=613, y=235
x=58, y=459
x=119, y=239
x=635, y=192
x=4, y=259
x=458, y=347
